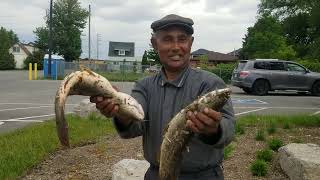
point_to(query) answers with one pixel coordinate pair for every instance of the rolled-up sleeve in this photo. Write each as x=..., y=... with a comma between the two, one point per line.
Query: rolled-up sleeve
x=135, y=128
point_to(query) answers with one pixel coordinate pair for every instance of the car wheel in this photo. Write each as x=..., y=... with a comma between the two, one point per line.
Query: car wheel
x=247, y=90
x=316, y=89
x=260, y=87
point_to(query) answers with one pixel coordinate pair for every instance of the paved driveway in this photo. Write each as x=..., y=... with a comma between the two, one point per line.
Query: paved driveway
x=23, y=101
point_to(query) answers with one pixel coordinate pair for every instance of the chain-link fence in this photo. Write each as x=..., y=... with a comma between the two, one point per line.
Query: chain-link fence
x=138, y=70
x=107, y=68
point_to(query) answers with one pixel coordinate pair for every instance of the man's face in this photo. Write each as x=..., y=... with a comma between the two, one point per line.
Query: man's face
x=174, y=46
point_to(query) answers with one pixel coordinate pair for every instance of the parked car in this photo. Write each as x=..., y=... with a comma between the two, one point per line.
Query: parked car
x=263, y=75
x=152, y=69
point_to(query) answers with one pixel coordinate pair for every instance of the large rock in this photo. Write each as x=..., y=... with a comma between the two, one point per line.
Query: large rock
x=130, y=169
x=301, y=161
x=84, y=108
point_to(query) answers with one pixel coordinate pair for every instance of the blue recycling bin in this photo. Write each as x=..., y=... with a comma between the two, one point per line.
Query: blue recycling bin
x=57, y=66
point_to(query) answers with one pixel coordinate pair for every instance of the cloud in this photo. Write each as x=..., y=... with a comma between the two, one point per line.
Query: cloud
x=220, y=25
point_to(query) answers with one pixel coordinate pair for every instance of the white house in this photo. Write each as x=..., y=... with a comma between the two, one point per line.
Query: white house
x=122, y=53
x=21, y=51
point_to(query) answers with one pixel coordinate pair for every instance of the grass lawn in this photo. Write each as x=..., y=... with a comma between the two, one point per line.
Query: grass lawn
x=26, y=147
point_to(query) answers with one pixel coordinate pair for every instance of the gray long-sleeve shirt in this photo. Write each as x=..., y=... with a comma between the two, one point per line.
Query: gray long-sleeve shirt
x=162, y=100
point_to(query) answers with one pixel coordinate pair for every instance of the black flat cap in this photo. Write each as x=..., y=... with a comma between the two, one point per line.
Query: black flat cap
x=173, y=20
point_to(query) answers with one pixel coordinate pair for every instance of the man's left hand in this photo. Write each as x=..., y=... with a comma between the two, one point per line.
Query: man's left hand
x=205, y=122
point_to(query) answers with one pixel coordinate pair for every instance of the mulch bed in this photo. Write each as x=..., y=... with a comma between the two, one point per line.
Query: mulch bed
x=94, y=161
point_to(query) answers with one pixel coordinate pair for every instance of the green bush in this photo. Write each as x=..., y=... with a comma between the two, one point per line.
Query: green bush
x=260, y=136
x=36, y=57
x=224, y=71
x=286, y=125
x=259, y=168
x=275, y=144
x=272, y=127
x=239, y=129
x=313, y=65
x=265, y=155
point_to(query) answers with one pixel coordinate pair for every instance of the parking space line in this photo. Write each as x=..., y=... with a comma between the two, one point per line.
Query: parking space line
x=318, y=112
x=34, y=107
x=40, y=104
x=274, y=107
x=246, y=112
x=262, y=102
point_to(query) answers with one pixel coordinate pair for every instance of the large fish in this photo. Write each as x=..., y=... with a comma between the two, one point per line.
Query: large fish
x=88, y=83
x=177, y=135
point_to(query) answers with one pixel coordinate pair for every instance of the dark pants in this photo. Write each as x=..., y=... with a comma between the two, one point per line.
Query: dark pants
x=212, y=173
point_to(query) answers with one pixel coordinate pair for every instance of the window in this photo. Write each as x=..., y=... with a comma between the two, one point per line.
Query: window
x=261, y=65
x=122, y=52
x=276, y=66
x=16, y=49
x=295, y=67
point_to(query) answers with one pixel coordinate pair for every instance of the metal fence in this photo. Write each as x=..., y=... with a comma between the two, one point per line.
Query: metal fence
x=104, y=67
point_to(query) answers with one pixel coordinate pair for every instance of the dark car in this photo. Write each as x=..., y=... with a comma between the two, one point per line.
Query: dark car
x=263, y=75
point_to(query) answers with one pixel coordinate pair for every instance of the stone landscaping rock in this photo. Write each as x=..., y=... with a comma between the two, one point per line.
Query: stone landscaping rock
x=300, y=161
x=130, y=169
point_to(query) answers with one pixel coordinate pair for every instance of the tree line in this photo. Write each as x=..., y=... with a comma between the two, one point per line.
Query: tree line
x=285, y=29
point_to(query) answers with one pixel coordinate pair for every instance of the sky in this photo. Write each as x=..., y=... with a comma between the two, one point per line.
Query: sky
x=220, y=25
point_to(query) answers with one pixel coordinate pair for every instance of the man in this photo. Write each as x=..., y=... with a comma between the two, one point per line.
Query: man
x=165, y=94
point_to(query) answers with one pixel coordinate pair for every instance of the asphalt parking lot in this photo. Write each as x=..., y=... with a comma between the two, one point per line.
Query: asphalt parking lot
x=23, y=101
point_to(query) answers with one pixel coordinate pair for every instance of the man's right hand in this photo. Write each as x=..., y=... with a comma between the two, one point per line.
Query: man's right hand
x=105, y=105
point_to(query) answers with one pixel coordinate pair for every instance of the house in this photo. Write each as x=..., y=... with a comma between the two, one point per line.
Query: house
x=235, y=52
x=122, y=53
x=213, y=57
x=21, y=51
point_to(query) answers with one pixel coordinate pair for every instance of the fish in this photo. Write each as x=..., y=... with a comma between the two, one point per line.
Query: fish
x=88, y=83
x=177, y=135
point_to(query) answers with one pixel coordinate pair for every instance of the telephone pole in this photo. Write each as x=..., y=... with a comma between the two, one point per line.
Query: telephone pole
x=50, y=40
x=98, y=43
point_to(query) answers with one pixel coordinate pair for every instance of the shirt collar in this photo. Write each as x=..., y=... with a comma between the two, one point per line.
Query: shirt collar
x=178, y=82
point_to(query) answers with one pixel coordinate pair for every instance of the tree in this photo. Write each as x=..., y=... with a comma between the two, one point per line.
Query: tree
x=266, y=40
x=36, y=57
x=7, y=39
x=300, y=19
x=68, y=20
x=153, y=54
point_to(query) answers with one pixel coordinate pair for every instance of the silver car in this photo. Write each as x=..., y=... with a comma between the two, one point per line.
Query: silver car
x=263, y=75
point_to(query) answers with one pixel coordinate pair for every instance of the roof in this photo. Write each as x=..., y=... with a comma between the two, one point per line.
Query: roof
x=235, y=52
x=22, y=46
x=200, y=52
x=216, y=56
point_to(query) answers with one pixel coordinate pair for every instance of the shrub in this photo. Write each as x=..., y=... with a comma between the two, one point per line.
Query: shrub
x=272, y=128
x=259, y=168
x=265, y=155
x=275, y=144
x=36, y=57
x=286, y=125
x=239, y=129
x=260, y=136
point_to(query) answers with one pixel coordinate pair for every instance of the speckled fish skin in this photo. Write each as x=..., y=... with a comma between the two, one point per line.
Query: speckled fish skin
x=177, y=135
x=89, y=83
